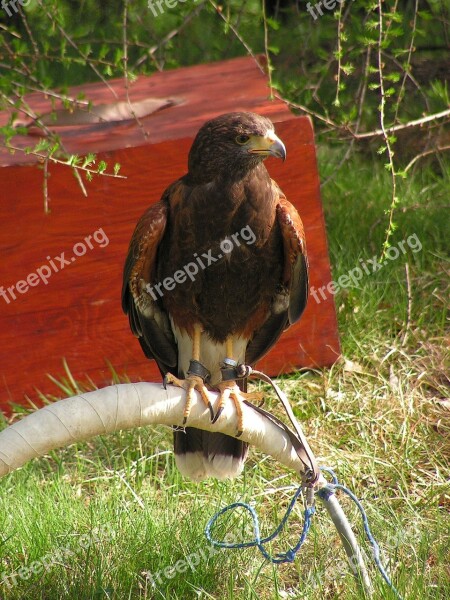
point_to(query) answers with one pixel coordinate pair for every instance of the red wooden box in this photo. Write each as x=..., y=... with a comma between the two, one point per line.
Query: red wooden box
x=76, y=314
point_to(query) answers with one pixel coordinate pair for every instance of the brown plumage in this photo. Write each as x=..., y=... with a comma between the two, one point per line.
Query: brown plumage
x=228, y=221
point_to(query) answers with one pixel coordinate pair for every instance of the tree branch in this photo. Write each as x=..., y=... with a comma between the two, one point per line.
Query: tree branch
x=400, y=126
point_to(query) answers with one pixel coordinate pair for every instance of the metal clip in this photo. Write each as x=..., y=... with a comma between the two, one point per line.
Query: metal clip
x=309, y=492
x=231, y=370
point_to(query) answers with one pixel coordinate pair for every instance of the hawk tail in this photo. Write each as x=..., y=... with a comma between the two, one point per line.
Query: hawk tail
x=200, y=454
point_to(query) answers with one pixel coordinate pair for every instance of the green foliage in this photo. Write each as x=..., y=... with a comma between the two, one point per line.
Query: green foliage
x=58, y=44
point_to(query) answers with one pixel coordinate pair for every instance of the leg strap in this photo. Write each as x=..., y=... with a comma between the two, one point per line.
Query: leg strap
x=196, y=368
x=231, y=370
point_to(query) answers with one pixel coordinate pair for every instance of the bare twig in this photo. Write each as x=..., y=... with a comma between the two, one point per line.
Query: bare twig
x=262, y=69
x=73, y=44
x=400, y=126
x=166, y=39
x=409, y=76
x=239, y=37
x=408, y=315
x=311, y=112
x=390, y=21
x=266, y=48
x=65, y=163
x=426, y=153
x=408, y=59
x=52, y=94
x=30, y=34
x=361, y=95
x=27, y=110
x=125, y=69
x=363, y=89
x=80, y=181
x=13, y=56
x=387, y=141
x=337, y=102
x=45, y=187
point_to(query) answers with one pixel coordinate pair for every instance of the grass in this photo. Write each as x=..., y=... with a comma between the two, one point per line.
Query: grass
x=105, y=514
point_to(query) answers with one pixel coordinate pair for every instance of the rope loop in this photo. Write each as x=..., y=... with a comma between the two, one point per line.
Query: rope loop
x=257, y=541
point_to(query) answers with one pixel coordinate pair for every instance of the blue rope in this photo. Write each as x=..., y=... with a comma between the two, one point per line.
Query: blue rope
x=289, y=555
x=335, y=485
x=282, y=557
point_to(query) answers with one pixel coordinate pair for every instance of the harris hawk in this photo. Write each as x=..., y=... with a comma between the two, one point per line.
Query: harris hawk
x=216, y=271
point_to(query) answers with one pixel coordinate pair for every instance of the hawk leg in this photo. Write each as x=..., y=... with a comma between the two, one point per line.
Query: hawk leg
x=195, y=380
x=230, y=390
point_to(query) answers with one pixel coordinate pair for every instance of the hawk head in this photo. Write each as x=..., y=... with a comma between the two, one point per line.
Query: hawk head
x=231, y=145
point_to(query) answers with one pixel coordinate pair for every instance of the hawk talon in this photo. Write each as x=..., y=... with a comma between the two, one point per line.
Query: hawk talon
x=218, y=413
x=191, y=383
x=229, y=389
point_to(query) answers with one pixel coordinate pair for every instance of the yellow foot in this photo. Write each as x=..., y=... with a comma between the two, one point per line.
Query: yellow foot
x=230, y=390
x=191, y=383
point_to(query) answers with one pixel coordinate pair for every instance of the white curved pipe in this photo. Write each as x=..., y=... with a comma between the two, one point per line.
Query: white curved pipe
x=127, y=406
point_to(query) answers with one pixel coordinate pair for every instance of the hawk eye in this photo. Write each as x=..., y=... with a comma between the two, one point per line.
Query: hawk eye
x=242, y=139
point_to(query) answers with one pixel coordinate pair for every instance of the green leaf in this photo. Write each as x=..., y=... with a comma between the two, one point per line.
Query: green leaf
x=273, y=24
x=394, y=77
x=89, y=160
x=347, y=68
x=397, y=17
x=372, y=24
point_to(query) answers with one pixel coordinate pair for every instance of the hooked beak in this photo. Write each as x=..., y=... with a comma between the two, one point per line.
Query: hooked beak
x=269, y=145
